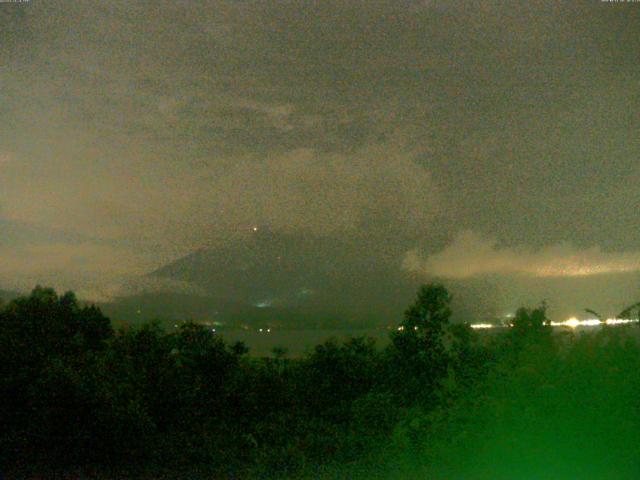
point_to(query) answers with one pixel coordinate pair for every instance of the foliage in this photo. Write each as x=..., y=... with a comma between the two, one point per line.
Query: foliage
x=439, y=401
x=419, y=355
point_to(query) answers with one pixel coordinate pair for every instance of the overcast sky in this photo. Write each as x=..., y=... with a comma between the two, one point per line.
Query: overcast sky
x=464, y=138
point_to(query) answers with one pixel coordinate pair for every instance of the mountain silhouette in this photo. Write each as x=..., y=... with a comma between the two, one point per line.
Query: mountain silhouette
x=292, y=279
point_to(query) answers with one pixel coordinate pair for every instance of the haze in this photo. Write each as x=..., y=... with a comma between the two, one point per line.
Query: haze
x=490, y=145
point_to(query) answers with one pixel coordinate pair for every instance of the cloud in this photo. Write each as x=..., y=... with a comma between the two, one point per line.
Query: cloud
x=89, y=269
x=96, y=232
x=471, y=255
x=95, y=272
x=325, y=193
x=158, y=127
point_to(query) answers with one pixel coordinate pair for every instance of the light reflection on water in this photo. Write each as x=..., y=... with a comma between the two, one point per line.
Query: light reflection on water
x=300, y=342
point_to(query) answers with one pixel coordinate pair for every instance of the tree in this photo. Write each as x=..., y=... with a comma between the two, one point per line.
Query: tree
x=418, y=344
x=626, y=313
x=431, y=310
x=531, y=328
x=531, y=322
x=279, y=352
x=47, y=343
x=426, y=319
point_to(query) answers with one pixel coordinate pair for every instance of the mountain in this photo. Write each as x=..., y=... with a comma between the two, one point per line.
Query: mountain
x=285, y=279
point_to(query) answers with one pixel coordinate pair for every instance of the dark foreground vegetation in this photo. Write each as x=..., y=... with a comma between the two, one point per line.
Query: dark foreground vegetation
x=79, y=400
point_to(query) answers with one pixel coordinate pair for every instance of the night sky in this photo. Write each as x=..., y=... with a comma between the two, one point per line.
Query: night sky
x=466, y=141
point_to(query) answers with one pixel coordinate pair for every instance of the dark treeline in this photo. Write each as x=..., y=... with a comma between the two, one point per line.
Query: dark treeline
x=82, y=400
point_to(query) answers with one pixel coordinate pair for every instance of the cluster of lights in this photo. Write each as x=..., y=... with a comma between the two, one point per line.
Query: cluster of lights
x=481, y=326
x=572, y=322
x=402, y=329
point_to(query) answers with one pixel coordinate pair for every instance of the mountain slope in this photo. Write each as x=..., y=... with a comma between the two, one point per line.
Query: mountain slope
x=276, y=277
